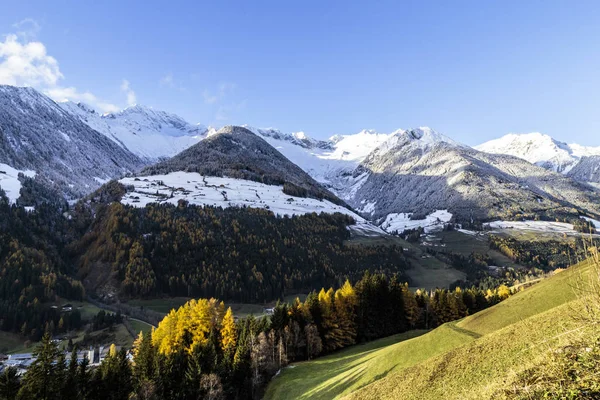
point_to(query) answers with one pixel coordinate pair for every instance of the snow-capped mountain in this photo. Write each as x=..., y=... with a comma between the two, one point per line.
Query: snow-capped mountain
x=148, y=133
x=421, y=171
x=236, y=168
x=330, y=162
x=38, y=137
x=540, y=149
x=236, y=152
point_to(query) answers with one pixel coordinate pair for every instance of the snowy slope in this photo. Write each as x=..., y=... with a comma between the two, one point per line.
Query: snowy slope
x=9, y=181
x=67, y=155
x=236, y=152
x=399, y=222
x=586, y=170
x=148, y=133
x=561, y=228
x=330, y=162
x=228, y=192
x=540, y=149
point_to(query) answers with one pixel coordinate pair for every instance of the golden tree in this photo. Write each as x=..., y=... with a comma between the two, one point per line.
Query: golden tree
x=228, y=332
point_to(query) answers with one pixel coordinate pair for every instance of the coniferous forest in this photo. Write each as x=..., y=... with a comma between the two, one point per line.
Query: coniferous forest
x=245, y=255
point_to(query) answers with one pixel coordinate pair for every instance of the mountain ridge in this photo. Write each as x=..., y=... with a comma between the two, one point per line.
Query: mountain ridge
x=150, y=134
x=540, y=149
x=66, y=154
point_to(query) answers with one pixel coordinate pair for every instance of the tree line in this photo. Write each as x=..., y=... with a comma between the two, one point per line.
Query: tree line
x=201, y=351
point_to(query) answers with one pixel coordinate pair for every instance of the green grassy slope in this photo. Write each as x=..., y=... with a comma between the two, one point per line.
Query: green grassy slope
x=471, y=358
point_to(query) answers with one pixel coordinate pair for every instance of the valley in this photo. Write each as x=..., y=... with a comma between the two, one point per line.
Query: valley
x=299, y=200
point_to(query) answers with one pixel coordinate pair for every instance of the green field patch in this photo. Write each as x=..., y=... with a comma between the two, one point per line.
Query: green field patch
x=473, y=358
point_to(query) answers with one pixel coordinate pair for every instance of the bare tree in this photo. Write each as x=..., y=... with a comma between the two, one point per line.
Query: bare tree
x=212, y=387
x=314, y=345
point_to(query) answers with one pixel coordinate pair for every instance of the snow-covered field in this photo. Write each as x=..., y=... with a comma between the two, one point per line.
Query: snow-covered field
x=228, y=192
x=398, y=222
x=538, y=226
x=9, y=181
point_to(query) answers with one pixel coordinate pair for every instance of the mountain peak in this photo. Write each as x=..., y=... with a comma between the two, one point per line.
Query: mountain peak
x=426, y=135
x=237, y=152
x=422, y=138
x=539, y=149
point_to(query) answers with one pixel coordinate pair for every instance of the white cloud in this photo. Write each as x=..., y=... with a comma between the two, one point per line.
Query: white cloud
x=220, y=97
x=131, y=97
x=25, y=61
x=226, y=87
x=170, y=82
x=27, y=64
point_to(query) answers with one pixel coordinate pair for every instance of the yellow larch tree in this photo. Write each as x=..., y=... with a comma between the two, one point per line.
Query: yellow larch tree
x=228, y=332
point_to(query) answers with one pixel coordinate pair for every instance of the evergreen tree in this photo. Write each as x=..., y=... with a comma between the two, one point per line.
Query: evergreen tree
x=70, y=390
x=42, y=381
x=84, y=377
x=115, y=373
x=9, y=384
x=280, y=317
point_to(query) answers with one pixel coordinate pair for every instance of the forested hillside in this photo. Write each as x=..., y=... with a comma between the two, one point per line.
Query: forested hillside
x=34, y=268
x=239, y=254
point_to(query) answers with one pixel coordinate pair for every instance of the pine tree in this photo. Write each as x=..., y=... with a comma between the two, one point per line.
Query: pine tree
x=115, y=373
x=70, y=390
x=280, y=317
x=345, y=314
x=397, y=317
x=9, y=384
x=84, y=377
x=41, y=381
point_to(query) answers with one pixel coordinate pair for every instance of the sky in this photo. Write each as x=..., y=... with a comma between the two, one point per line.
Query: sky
x=473, y=70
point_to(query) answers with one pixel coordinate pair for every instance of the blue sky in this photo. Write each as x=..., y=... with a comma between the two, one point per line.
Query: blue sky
x=471, y=70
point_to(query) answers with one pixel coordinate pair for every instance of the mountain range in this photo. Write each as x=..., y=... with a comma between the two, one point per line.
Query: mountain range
x=404, y=174
x=541, y=150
